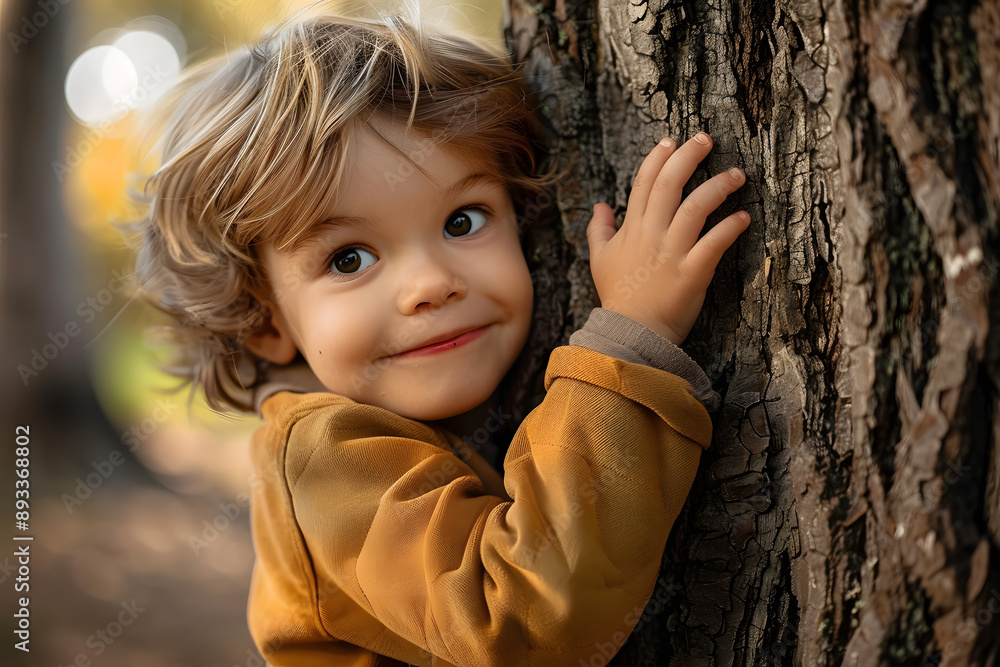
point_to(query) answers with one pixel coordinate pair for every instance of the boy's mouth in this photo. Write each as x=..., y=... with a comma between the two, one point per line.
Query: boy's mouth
x=444, y=342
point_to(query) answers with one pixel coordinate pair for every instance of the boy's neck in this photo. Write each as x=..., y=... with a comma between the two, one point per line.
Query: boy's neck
x=481, y=427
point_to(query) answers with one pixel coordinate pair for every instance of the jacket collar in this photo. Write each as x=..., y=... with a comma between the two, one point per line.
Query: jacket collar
x=295, y=377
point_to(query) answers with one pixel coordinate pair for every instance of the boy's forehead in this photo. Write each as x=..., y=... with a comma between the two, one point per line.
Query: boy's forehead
x=392, y=144
x=384, y=155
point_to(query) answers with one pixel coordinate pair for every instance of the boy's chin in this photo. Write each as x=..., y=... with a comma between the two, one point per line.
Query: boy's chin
x=427, y=409
x=434, y=413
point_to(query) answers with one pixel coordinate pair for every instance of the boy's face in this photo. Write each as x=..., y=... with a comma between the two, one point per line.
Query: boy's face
x=410, y=260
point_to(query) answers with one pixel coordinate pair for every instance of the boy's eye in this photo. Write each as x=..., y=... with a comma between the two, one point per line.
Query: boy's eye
x=464, y=222
x=350, y=260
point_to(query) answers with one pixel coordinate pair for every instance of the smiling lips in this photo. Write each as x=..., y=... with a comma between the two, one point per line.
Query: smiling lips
x=452, y=341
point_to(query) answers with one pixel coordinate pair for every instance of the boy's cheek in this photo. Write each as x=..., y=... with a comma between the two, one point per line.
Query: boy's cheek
x=401, y=342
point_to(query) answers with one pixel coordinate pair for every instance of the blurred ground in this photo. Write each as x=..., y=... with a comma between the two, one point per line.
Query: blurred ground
x=144, y=569
x=127, y=571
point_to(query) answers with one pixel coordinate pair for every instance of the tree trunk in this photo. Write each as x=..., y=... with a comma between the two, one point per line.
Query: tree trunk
x=848, y=512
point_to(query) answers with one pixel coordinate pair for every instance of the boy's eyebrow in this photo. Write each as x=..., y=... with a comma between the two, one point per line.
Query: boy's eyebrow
x=469, y=181
x=333, y=222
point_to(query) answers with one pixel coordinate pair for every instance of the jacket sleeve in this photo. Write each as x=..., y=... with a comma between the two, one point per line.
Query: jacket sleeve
x=558, y=572
x=622, y=337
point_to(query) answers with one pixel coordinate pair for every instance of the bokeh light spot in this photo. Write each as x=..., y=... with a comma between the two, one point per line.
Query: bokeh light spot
x=97, y=84
x=156, y=63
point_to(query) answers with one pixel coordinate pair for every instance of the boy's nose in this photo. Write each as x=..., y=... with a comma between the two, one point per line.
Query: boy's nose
x=428, y=283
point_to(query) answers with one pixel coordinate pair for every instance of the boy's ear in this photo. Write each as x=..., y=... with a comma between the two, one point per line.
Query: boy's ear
x=272, y=340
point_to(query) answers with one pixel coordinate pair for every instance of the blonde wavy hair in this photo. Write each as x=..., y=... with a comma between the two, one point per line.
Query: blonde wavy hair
x=255, y=145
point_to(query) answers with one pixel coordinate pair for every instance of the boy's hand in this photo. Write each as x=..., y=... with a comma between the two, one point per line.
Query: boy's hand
x=654, y=269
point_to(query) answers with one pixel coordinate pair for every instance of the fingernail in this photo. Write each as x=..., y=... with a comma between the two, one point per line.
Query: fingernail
x=744, y=216
x=735, y=173
x=701, y=138
x=665, y=141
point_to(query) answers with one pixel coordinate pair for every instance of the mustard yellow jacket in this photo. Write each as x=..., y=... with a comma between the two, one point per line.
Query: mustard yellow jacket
x=382, y=540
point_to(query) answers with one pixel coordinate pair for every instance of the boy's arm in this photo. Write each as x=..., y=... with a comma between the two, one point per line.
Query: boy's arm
x=597, y=475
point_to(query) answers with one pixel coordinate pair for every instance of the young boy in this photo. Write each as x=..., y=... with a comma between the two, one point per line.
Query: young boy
x=334, y=232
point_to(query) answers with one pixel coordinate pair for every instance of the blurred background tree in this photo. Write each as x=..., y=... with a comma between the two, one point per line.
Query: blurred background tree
x=134, y=502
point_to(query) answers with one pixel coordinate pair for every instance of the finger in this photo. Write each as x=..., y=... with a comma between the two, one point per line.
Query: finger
x=665, y=195
x=601, y=229
x=690, y=219
x=648, y=170
x=700, y=263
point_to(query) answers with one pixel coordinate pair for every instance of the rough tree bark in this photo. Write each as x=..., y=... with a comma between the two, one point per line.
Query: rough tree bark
x=849, y=509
